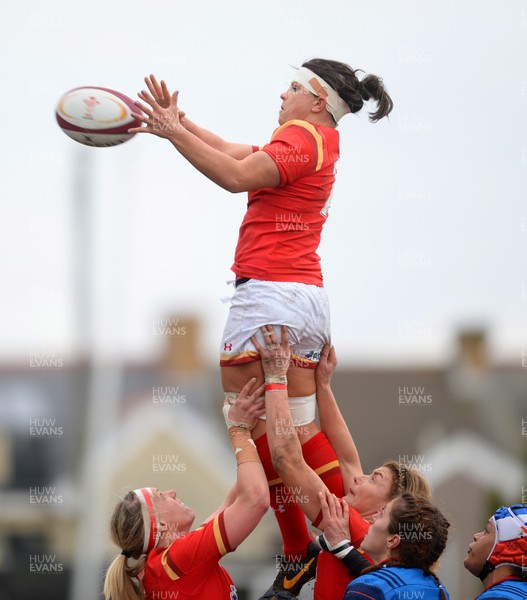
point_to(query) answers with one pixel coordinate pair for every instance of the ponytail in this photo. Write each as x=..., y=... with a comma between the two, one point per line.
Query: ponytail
x=372, y=88
x=442, y=594
x=127, y=532
x=121, y=581
x=343, y=79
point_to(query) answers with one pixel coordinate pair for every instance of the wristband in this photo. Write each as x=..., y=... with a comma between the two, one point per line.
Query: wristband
x=276, y=379
x=276, y=387
x=340, y=549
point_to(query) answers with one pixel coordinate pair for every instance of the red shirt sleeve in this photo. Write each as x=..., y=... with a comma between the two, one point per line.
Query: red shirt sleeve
x=296, y=148
x=198, y=547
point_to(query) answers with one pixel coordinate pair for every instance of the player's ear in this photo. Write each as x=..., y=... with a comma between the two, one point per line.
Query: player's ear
x=319, y=105
x=393, y=541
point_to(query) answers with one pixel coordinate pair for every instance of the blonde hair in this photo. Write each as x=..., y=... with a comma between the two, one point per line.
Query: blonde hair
x=407, y=480
x=126, y=532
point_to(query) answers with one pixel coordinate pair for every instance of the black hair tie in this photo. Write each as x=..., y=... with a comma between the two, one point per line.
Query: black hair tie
x=126, y=553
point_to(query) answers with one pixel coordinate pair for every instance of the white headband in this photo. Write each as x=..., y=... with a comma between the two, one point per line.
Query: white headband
x=151, y=523
x=316, y=85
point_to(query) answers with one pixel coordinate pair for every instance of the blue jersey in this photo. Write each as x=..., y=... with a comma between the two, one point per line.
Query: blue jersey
x=509, y=589
x=394, y=583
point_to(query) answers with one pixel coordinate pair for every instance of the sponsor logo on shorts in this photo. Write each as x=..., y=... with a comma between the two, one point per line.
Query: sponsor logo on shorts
x=314, y=355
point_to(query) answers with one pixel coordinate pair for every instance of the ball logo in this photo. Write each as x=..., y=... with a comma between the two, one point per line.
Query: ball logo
x=90, y=102
x=103, y=109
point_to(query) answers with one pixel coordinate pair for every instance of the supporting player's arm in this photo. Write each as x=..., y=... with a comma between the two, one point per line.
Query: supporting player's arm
x=286, y=451
x=331, y=420
x=244, y=509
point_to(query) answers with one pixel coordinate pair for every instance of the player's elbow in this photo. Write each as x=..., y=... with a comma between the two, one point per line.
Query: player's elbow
x=256, y=498
x=235, y=185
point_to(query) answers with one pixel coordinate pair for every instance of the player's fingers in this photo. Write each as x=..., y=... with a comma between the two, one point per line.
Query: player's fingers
x=148, y=98
x=336, y=505
x=154, y=83
x=259, y=406
x=260, y=411
x=154, y=87
x=246, y=388
x=332, y=354
x=258, y=392
x=144, y=108
x=164, y=88
x=285, y=336
x=330, y=502
x=269, y=329
x=174, y=100
x=256, y=344
x=323, y=502
x=268, y=335
x=140, y=130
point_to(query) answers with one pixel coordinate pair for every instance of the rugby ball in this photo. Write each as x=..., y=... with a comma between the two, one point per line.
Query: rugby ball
x=97, y=116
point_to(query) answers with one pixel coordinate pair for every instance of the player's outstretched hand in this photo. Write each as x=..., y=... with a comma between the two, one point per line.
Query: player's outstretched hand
x=159, y=91
x=161, y=95
x=158, y=118
x=326, y=366
x=249, y=406
x=275, y=356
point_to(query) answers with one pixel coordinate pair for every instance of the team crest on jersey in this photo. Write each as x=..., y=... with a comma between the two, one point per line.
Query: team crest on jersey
x=234, y=593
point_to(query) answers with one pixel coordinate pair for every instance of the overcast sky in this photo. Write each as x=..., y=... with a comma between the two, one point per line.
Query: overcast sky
x=428, y=227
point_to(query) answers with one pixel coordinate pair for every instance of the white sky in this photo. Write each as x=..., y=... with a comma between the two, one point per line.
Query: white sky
x=428, y=226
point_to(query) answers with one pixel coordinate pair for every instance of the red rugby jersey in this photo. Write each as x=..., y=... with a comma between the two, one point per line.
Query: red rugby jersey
x=332, y=575
x=189, y=569
x=280, y=233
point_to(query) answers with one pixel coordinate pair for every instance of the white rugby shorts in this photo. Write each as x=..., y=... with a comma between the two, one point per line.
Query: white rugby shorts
x=303, y=308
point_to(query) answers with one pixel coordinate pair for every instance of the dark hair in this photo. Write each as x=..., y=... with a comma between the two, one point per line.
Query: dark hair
x=423, y=533
x=343, y=79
